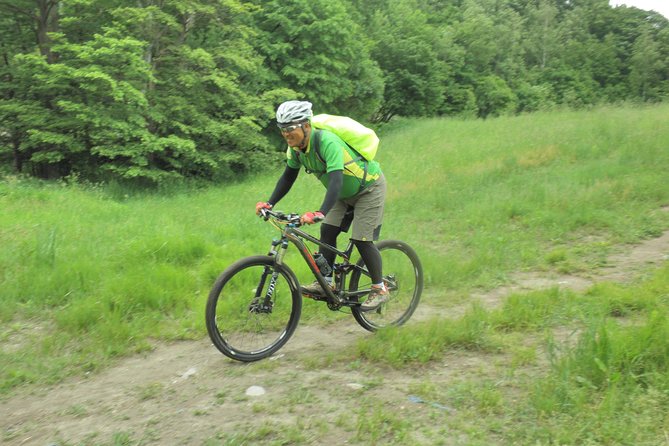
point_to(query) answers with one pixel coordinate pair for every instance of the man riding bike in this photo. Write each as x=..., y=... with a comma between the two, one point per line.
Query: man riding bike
x=355, y=192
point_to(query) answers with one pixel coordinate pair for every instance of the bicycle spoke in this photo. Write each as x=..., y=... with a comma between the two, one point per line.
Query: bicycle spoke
x=404, y=279
x=253, y=311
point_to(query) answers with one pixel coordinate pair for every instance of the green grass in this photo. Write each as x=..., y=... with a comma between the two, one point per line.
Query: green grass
x=92, y=273
x=607, y=381
x=493, y=196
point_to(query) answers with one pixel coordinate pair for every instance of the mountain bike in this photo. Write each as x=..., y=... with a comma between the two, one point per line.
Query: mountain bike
x=255, y=304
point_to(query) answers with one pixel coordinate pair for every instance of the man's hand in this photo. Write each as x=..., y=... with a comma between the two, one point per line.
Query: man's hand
x=310, y=218
x=262, y=205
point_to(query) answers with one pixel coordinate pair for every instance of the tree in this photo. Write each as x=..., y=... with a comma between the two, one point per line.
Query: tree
x=80, y=113
x=161, y=89
x=315, y=48
x=44, y=17
x=160, y=93
x=489, y=33
x=542, y=41
x=405, y=49
x=494, y=97
x=207, y=85
x=647, y=68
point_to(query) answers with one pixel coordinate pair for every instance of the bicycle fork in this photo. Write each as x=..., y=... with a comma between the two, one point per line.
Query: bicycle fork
x=264, y=304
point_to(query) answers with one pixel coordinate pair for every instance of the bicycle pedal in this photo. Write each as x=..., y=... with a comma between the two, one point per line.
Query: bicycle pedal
x=306, y=292
x=378, y=310
x=315, y=296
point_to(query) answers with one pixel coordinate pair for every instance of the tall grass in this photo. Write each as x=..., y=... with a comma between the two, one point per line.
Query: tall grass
x=487, y=197
x=91, y=273
x=607, y=381
x=616, y=374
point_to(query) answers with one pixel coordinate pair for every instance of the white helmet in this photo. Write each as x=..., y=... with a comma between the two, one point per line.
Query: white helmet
x=293, y=111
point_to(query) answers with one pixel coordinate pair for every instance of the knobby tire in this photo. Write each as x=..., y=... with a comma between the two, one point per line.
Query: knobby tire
x=402, y=264
x=238, y=325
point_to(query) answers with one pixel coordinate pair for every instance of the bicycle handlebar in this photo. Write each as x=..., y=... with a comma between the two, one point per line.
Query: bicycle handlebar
x=285, y=218
x=281, y=217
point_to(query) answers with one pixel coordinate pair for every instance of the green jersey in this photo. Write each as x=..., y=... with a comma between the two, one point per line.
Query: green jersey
x=336, y=155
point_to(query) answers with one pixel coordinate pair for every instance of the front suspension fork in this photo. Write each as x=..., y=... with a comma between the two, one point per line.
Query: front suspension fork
x=264, y=304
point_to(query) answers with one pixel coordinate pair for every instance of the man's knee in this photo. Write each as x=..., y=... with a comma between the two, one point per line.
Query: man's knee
x=329, y=233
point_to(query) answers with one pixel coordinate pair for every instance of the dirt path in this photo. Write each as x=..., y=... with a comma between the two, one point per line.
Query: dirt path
x=186, y=393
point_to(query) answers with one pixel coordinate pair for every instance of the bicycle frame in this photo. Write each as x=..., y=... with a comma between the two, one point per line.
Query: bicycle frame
x=249, y=324
x=296, y=236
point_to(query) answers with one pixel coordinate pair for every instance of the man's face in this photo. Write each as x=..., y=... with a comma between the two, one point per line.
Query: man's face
x=295, y=134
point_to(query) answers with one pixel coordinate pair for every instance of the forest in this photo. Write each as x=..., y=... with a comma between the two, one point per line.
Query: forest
x=153, y=91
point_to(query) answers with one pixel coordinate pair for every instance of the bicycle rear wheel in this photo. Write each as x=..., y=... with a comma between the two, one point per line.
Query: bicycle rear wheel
x=403, y=276
x=253, y=308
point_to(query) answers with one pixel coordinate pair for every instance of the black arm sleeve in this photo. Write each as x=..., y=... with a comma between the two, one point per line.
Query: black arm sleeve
x=334, y=187
x=283, y=185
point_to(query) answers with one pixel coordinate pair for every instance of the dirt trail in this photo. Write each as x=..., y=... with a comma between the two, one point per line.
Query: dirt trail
x=186, y=393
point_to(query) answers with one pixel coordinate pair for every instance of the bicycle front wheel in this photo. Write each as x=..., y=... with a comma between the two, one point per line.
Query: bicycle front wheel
x=253, y=308
x=403, y=276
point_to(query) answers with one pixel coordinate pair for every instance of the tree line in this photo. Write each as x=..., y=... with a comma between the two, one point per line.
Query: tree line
x=156, y=90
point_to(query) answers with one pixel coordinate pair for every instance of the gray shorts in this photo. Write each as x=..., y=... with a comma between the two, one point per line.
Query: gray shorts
x=368, y=212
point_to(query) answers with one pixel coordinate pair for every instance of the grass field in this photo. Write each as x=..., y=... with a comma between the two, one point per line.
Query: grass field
x=92, y=273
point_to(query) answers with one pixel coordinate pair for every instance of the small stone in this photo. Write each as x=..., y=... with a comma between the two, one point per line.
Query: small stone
x=255, y=391
x=190, y=372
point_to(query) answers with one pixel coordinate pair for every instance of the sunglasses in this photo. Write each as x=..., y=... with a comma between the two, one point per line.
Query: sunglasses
x=290, y=128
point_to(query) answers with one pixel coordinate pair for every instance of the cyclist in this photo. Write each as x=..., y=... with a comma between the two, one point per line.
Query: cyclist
x=355, y=193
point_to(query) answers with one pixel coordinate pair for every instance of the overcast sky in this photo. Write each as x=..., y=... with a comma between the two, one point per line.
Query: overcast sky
x=661, y=6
